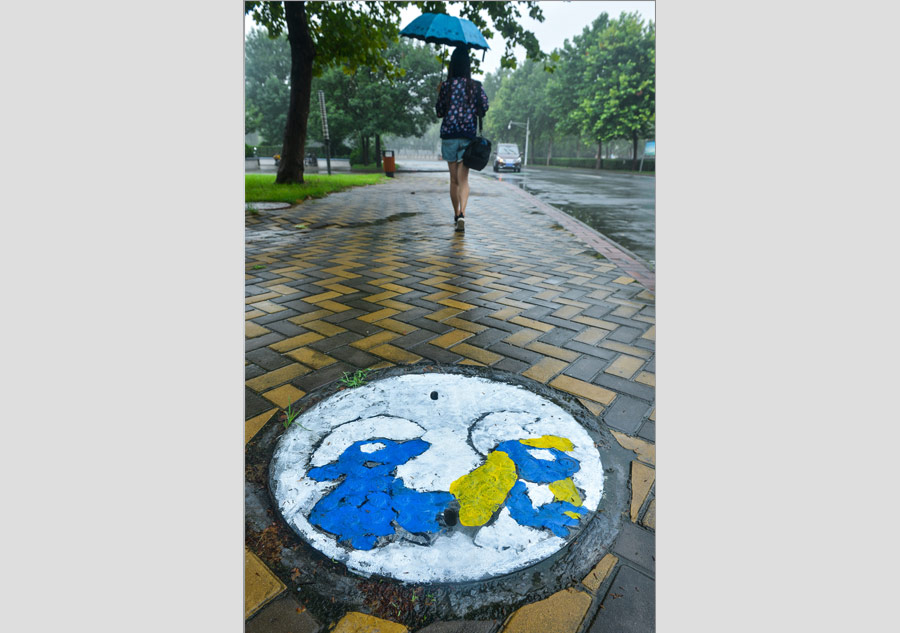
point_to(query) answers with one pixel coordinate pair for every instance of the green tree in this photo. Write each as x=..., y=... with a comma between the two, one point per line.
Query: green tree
x=524, y=96
x=267, y=68
x=356, y=34
x=368, y=104
x=620, y=73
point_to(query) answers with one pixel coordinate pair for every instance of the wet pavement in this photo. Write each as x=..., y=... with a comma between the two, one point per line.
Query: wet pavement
x=375, y=278
x=621, y=206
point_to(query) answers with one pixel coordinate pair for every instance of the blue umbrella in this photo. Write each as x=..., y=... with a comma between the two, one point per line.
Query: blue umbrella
x=440, y=28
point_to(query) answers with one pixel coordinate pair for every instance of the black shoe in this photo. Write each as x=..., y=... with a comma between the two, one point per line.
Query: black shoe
x=461, y=224
x=456, y=219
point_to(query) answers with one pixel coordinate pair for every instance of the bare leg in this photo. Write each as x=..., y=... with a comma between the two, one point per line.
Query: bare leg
x=462, y=177
x=454, y=187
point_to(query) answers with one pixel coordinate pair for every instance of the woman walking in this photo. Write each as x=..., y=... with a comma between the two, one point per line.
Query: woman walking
x=460, y=101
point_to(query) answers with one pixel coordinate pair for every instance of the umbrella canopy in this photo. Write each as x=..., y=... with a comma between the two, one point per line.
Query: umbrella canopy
x=440, y=28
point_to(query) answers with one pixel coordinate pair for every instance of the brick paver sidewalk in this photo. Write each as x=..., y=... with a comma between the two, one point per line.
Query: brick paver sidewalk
x=376, y=276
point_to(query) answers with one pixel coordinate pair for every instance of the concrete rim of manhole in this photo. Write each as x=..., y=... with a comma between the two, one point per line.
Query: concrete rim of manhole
x=468, y=569
x=266, y=206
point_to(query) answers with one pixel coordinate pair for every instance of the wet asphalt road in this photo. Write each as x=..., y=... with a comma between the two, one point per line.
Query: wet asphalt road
x=620, y=206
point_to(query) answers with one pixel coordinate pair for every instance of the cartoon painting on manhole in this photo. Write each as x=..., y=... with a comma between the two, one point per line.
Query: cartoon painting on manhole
x=437, y=478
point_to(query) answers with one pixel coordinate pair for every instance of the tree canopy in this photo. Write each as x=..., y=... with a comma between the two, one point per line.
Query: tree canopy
x=602, y=87
x=354, y=35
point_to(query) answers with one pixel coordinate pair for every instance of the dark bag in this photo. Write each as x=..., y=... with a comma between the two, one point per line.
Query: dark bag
x=478, y=153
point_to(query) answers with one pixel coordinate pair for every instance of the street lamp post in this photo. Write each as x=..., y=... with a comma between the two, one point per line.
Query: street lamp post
x=527, y=126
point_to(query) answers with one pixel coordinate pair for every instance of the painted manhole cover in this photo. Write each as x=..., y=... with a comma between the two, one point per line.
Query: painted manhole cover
x=437, y=478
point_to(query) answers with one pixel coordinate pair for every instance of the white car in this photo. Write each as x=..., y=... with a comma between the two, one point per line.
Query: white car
x=508, y=157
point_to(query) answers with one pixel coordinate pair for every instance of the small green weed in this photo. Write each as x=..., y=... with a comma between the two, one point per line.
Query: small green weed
x=290, y=415
x=356, y=380
x=259, y=266
x=299, y=226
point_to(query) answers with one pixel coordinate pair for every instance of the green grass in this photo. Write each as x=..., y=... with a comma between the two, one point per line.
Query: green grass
x=356, y=380
x=262, y=187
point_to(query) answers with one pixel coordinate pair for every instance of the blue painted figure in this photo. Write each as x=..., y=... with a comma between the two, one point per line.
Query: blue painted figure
x=555, y=516
x=362, y=507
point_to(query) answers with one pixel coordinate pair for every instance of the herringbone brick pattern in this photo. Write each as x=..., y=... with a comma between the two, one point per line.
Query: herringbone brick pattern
x=376, y=276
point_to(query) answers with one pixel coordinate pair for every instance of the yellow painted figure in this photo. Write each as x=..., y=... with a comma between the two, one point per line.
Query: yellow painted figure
x=500, y=480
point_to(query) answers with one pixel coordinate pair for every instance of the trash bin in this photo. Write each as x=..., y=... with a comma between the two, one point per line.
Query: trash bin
x=387, y=161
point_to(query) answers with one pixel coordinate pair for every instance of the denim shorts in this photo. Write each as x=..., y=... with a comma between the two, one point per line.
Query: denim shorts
x=452, y=149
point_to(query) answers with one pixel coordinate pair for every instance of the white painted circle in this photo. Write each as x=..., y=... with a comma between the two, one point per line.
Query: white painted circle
x=467, y=421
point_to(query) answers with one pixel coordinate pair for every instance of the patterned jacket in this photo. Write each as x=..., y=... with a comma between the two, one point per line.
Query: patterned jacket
x=460, y=115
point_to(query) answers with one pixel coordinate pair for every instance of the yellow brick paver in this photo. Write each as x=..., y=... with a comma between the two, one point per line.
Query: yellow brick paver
x=462, y=324
x=584, y=389
x=646, y=378
x=642, y=478
x=340, y=288
x=355, y=622
x=284, y=395
x=650, y=334
x=268, y=306
x=277, y=377
x=252, y=330
x=254, y=424
x=649, y=519
x=645, y=451
x=372, y=317
x=625, y=349
x=331, y=294
x=397, y=326
x=594, y=407
x=375, y=339
x=562, y=612
x=334, y=306
x=399, y=306
x=523, y=337
x=324, y=328
x=283, y=290
x=476, y=353
x=625, y=366
x=395, y=354
x=504, y=314
x=600, y=323
x=252, y=314
x=552, y=350
x=260, y=584
x=300, y=319
x=531, y=323
x=451, y=338
x=311, y=357
x=296, y=341
x=591, y=336
x=545, y=369
x=599, y=573
x=456, y=304
x=446, y=313
x=567, y=312
x=261, y=297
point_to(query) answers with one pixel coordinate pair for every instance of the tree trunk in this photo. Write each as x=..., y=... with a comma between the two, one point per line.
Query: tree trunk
x=634, y=139
x=378, y=151
x=302, y=54
x=599, y=154
x=549, y=151
x=365, y=155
